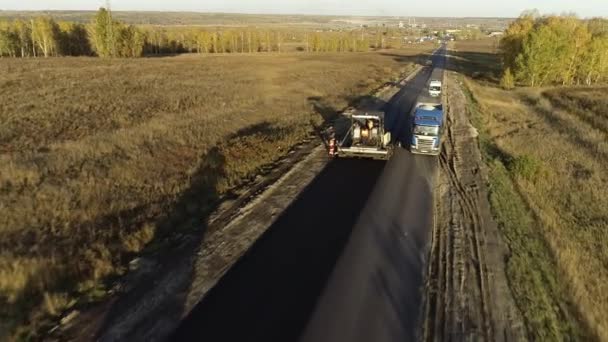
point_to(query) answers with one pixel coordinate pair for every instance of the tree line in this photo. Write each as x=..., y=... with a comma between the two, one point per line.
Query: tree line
x=565, y=50
x=43, y=37
x=107, y=37
x=161, y=40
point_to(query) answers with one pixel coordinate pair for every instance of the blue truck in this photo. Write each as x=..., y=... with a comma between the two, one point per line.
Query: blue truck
x=427, y=128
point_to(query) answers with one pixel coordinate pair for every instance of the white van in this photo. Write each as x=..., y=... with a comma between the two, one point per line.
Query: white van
x=435, y=88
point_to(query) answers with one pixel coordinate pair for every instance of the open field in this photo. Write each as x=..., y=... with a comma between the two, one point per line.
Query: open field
x=94, y=154
x=546, y=151
x=235, y=19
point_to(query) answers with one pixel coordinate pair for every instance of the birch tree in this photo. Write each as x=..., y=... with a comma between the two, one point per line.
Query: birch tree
x=24, y=34
x=45, y=35
x=101, y=33
x=511, y=44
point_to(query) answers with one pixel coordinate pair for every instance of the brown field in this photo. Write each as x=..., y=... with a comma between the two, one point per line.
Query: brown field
x=95, y=153
x=547, y=152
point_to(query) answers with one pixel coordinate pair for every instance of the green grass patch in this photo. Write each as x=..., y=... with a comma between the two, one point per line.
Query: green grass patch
x=531, y=267
x=526, y=167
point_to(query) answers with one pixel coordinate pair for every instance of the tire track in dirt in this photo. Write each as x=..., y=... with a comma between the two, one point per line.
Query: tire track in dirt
x=467, y=294
x=463, y=203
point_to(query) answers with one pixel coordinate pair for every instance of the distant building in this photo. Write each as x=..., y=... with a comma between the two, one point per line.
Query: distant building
x=452, y=31
x=496, y=34
x=401, y=25
x=411, y=22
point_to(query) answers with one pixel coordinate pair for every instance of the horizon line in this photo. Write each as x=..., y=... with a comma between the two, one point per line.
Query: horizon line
x=260, y=13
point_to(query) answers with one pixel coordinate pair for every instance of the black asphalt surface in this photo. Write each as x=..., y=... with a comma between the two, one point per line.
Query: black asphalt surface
x=345, y=262
x=376, y=290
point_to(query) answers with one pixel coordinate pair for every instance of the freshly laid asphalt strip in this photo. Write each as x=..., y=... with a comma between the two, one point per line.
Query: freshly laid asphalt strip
x=345, y=262
x=376, y=290
x=269, y=294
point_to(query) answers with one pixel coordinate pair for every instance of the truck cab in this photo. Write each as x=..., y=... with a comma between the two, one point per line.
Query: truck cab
x=435, y=88
x=427, y=128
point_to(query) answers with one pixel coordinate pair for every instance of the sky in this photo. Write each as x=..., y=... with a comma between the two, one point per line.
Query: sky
x=436, y=8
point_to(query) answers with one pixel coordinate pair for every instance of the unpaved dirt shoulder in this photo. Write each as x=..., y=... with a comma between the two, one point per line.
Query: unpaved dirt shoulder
x=468, y=296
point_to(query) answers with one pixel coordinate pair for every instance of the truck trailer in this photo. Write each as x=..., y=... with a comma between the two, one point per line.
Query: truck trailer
x=365, y=137
x=427, y=128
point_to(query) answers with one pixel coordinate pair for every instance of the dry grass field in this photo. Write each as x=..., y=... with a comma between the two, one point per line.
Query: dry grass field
x=547, y=152
x=95, y=153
